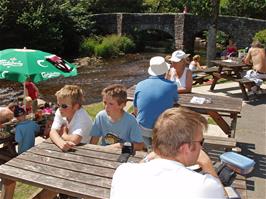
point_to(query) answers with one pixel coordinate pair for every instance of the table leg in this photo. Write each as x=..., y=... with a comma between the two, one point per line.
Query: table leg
x=233, y=124
x=8, y=188
x=220, y=122
x=216, y=77
x=243, y=90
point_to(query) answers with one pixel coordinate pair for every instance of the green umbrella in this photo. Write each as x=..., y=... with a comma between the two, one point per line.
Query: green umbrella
x=19, y=64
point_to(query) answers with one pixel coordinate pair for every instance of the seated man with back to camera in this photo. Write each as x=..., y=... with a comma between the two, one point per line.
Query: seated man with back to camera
x=177, y=142
x=153, y=96
x=113, y=124
x=72, y=123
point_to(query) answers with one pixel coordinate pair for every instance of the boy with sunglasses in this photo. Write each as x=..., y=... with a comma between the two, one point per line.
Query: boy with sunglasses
x=177, y=143
x=113, y=124
x=72, y=123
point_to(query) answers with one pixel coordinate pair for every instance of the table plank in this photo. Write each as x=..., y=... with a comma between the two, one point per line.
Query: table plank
x=72, y=157
x=219, y=103
x=72, y=166
x=54, y=184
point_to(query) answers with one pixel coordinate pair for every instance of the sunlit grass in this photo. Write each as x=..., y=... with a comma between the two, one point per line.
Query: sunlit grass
x=24, y=191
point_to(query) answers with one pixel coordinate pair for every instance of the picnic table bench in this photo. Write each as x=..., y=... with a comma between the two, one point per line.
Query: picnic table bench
x=218, y=108
x=85, y=172
x=237, y=67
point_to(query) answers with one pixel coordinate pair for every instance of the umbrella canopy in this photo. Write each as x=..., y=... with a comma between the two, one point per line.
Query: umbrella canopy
x=19, y=64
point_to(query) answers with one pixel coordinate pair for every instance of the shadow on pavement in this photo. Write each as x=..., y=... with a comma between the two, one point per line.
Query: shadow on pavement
x=260, y=166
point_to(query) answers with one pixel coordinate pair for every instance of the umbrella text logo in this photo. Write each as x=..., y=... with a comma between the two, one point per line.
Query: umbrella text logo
x=12, y=62
x=46, y=75
x=40, y=63
x=2, y=75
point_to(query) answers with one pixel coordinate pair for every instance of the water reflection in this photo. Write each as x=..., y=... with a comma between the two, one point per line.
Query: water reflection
x=92, y=78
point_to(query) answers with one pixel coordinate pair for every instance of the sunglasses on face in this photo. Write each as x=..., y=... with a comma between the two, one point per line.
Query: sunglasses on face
x=63, y=106
x=201, y=141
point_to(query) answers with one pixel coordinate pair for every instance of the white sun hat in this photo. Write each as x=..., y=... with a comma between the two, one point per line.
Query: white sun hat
x=178, y=55
x=158, y=66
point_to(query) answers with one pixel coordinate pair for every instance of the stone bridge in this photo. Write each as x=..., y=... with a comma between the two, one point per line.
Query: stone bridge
x=182, y=27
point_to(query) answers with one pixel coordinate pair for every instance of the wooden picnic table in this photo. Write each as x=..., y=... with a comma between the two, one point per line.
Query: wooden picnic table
x=218, y=108
x=236, y=68
x=85, y=172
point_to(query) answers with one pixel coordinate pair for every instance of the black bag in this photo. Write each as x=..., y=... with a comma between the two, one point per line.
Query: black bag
x=225, y=174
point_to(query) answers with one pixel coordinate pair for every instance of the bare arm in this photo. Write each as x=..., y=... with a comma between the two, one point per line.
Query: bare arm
x=58, y=140
x=94, y=140
x=73, y=138
x=248, y=57
x=206, y=164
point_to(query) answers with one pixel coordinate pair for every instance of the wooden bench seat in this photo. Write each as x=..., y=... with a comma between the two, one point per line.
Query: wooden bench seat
x=244, y=81
x=220, y=142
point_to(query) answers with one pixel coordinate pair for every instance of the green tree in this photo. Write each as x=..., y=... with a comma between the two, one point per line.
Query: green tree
x=245, y=8
x=109, y=6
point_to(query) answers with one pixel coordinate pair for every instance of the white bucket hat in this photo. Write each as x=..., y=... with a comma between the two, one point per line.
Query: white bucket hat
x=158, y=66
x=178, y=55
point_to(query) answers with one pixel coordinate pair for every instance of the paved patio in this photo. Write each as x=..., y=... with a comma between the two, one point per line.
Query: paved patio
x=250, y=133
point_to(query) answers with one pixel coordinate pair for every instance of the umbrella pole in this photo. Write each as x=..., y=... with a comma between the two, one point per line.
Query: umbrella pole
x=24, y=94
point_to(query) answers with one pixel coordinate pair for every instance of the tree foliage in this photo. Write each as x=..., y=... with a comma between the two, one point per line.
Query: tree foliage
x=245, y=8
x=51, y=25
x=109, y=6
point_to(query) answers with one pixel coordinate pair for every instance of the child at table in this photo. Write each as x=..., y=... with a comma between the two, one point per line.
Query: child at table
x=113, y=124
x=25, y=131
x=28, y=105
x=195, y=63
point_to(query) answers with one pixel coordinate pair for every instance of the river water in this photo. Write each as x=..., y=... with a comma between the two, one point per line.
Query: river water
x=92, y=78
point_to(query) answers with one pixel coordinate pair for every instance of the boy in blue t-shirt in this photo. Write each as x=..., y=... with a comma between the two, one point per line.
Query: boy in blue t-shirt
x=25, y=131
x=113, y=124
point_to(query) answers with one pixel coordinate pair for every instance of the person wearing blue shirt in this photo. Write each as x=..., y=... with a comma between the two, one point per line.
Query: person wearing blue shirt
x=153, y=96
x=113, y=124
x=26, y=131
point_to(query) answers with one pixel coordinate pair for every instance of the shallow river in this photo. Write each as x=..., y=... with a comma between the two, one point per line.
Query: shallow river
x=92, y=78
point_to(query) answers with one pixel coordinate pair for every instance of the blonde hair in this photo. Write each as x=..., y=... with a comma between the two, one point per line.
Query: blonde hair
x=256, y=44
x=116, y=91
x=196, y=57
x=28, y=99
x=73, y=92
x=175, y=127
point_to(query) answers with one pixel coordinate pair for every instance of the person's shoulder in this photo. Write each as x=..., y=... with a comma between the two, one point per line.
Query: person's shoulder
x=129, y=116
x=124, y=168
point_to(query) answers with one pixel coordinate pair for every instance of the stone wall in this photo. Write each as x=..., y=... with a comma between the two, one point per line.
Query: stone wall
x=182, y=27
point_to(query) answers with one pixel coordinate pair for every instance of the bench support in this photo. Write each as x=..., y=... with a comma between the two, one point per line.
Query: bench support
x=8, y=189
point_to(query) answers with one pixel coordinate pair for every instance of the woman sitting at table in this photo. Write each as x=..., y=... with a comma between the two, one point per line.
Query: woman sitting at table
x=231, y=49
x=179, y=72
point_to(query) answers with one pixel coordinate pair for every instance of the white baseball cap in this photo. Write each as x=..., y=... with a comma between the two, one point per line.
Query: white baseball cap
x=178, y=55
x=158, y=66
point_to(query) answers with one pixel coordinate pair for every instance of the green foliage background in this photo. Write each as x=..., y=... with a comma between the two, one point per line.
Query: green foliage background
x=59, y=26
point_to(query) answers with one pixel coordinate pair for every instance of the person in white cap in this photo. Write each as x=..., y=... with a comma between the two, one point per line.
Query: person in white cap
x=153, y=96
x=179, y=73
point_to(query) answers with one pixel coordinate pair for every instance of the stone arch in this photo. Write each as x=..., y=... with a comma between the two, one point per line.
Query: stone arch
x=181, y=26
